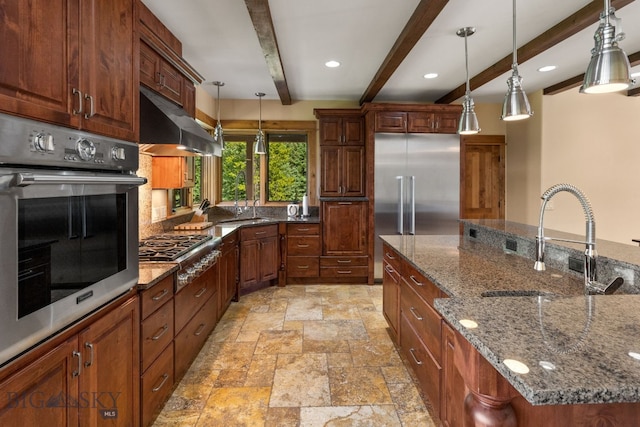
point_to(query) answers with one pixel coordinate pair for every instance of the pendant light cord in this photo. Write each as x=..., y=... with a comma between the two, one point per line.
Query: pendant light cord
x=218, y=102
x=515, y=49
x=466, y=63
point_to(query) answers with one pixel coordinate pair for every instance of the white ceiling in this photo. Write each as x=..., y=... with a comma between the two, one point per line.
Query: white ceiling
x=219, y=41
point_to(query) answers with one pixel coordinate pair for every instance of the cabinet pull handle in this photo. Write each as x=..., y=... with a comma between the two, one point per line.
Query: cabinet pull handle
x=303, y=229
x=417, y=316
x=302, y=246
x=161, y=332
x=165, y=377
x=260, y=232
x=80, y=103
x=91, y=107
x=78, y=371
x=303, y=267
x=200, y=329
x=201, y=292
x=345, y=203
x=160, y=295
x=411, y=350
x=159, y=82
x=90, y=361
x=344, y=271
x=389, y=269
x=388, y=255
x=413, y=279
x=344, y=261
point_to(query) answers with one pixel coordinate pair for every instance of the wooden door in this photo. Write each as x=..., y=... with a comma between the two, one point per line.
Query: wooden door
x=249, y=265
x=330, y=171
x=110, y=378
x=38, y=70
x=344, y=228
x=43, y=391
x=109, y=67
x=353, y=172
x=268, y=258
x=482, y=169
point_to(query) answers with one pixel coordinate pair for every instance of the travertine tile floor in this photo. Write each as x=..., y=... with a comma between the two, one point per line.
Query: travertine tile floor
x=301, y=355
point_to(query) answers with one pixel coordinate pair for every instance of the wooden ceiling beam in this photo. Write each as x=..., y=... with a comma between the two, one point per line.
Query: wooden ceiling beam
x=263, y=24
x=422, y=17
x=569, y=26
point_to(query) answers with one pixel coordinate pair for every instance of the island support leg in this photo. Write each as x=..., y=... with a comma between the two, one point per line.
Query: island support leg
x=484, y=411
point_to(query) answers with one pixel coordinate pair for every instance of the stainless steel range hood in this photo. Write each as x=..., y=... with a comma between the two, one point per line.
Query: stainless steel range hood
x=167, y=130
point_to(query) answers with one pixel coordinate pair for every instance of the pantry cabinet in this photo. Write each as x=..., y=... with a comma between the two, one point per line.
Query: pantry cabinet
x=87, y=377
x=83, y=70
x=258, y=257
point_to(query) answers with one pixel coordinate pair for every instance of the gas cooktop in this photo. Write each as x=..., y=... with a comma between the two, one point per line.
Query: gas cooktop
x=169, y=247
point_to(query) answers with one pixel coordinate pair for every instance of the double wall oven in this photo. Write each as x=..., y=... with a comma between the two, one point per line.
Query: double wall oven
x=69, y=227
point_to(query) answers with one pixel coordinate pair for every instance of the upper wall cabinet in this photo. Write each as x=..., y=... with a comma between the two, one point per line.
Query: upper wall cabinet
x=345, y=129
x=415, y=118
x=72, y=63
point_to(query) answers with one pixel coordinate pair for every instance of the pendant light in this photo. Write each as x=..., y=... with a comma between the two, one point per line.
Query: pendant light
x=468, y=123
x=516, y=105
x=260, y=147
x=218, y=134
x=609, y=69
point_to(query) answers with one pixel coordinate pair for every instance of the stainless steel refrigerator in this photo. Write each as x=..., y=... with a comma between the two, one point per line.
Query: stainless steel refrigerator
x=417, y=186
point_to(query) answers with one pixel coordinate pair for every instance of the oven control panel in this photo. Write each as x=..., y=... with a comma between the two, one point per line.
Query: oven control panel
x=28, y=142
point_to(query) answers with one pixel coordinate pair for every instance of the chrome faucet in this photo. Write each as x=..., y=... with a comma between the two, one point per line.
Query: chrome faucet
x=238, y=210
x=591, y=285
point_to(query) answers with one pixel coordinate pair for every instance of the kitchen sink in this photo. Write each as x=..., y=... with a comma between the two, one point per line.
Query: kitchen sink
x=252, y=220
x=514, y=293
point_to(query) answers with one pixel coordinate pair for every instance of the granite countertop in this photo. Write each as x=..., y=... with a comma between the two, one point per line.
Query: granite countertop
x=153, y=272
x=590, y=341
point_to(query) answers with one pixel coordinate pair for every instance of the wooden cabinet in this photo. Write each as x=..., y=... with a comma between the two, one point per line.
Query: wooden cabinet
x=189, y=97
x=344, y=228
x=258, y=257
x=90, y=377
x=418, y=119
x=159, y=75
x=342, y=130
x=482, y=183
x=453, y=388
x=342, y=171
x=303, y=251
x=72, y=63
x=391, y=289
x=172, y=172
x=228, y=272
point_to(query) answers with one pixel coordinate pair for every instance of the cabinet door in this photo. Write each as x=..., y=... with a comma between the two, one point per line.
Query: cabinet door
x=482, y=185
x=391, y=297
x=453, y=388
x=447, y=122
x=40, y=392
x=344, y=230
x=268, y=259
x=189, y=97
x=420, y=122
x=167, y=172
x=38, y=69
x=391, y=121
x=249, y=267
x=353, y=181
x=353, y=130
x=109, y=71
x=110, y=379
x=331, y=131
x=170, y=82
x=149, y=67
x=330, y=171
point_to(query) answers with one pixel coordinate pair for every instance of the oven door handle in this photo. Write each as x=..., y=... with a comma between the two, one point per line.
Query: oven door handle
x=25, y=179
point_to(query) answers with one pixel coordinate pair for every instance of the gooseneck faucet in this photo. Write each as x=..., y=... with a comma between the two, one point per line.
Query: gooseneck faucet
x=238, y=210
x=590, y=254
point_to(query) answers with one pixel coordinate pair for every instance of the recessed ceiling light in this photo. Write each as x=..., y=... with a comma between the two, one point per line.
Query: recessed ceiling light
x=332, y=64
x=431, y=75
x=547, y=68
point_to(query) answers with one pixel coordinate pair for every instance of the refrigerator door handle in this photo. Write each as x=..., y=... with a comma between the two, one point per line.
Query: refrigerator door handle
x=400, y=204
x=412, y=205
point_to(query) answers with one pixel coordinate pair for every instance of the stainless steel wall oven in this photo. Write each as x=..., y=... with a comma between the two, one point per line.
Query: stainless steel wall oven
x=69, y=227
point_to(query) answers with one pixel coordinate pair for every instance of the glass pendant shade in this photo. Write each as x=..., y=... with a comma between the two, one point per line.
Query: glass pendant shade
x=516, y=104
x=468, y=123
x=260, y=146
x=609, y=69
x=218, y=133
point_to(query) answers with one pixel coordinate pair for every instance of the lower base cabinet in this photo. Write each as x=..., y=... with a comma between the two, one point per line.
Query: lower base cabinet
x=89, y=378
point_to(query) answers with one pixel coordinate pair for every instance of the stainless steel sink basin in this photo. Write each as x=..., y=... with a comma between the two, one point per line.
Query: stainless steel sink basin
x=514, y=293
x=252, y=220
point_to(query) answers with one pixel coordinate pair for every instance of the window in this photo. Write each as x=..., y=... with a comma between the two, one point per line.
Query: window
x=283, y=171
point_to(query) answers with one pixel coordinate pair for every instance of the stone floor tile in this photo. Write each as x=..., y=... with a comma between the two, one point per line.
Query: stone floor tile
x=275, y=342
x=295, y=388
x=395, y=374
x=339, y=311
x=339, y=360
x=261, y=371
x=307, y=308
x=283, y=417
x=263, y=321
x=352, y=416
x=358, y=386
x=374, y=353
x=335, y=329
x=406, y=398
x=325, y=346
x=236, y=407
x=231, y=378
x=232, y=356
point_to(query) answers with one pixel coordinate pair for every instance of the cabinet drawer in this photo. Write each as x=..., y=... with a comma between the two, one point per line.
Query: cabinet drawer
x=392, y=258
x=156, y=334
x=425, y=367
x=157, y=385
x=303, y=229
x=303, y=266
x=153, y=298
x=251, y=233
x=423, y=286
x=303, y=245
x=193, y=296
x=390, y=121
x=344, y=261
x=423, y=318
x=190, y=340
x=348, y=271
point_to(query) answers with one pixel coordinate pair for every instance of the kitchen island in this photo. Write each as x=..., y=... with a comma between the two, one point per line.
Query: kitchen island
x=579, y=352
